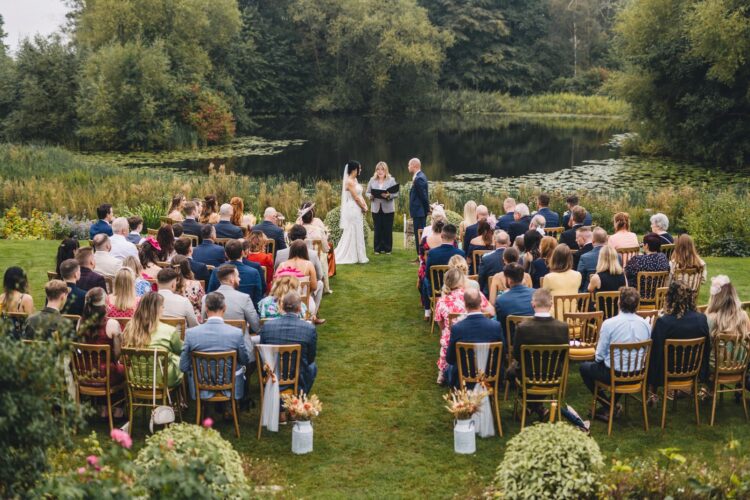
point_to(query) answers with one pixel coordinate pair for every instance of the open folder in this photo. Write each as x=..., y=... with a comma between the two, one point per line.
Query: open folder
x=378, y=193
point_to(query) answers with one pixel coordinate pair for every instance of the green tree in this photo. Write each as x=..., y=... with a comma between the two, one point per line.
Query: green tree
x=7, y=78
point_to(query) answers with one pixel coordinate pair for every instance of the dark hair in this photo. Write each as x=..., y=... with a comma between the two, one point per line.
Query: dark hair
x=177, y=229
x=15, y=280
x=147, y=254
x=438, y=225
x=207, y=231
x=298, y=249
x=165, y=237
x=653, y=242
x=68, y=269
x=561, y=260
x=680, y=299
x=449, y=231
x=514, y=272
x=511, y=255
x=543, y=200
x=103, y=210
x=531, y=241
x=182, y=245
x=352, y=165
x=215, y=302
x=176, y=200
x=485, y=231
x=134, y=221
x=225, y=270
x=181, y=264
x=233, y=249
x=83, y=255
x=66, y=250
x=308, y=217
x=166, y=275
x=93, y=317
x=297, y=232
x=209, y=207
x=629, y=299
x=578, y=214
x=572, y=200
x=256, y=241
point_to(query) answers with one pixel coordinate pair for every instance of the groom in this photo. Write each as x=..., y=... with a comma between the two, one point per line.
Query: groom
x=419, y=199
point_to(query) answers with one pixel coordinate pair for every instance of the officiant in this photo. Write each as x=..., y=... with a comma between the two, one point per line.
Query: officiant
x=382, y=190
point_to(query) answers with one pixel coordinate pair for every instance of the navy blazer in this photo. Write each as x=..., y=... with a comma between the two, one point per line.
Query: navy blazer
x=225, y=229
x=469, y=234
x=551, y=218
x=258, y=268
x=505, y=221
x=192, y=227
x=440, y=256
x=514, y=302
x=200, y=270
x=272, y=231
x=519, y=227
x=209, y=253
x=587, y=221
x=491, y=264
x=76, y=296
x=474, y=328
x=90, y=279
x=419, y=197
x=250, y=282
x=587, y=266
x=569, y=237
x=289, y=329
x=99, y=227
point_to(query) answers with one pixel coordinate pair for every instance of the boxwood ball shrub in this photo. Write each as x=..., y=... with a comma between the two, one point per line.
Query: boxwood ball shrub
x=550, y=461
x=332, y=221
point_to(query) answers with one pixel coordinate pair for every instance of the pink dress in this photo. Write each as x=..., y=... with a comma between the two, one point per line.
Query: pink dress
x=453, y=303
x=113, y=312
x=194, y=293
x=623, y=239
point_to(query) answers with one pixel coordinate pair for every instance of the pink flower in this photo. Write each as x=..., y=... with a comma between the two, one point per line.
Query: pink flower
x=92, y=460
x=122, y=438
x=82, y=470
x=170, y=443
x=208, y=423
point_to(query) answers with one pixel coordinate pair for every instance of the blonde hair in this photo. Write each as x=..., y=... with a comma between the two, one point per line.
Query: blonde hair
x=608, y=261
x=124, y=289
x=132, y=263
x=470, y=212
x=562, y=259
x=145, y=321
x=726, y=313
x=685, y=256
x=452, y=279
x=458, y=262
x=384, y=165
x=283, y=285
x=546, y=247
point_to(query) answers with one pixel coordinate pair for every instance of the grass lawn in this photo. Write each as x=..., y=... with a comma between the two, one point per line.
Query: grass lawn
x=383, y=431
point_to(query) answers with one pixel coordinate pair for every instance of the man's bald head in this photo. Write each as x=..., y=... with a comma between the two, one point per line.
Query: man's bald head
x=472, y=300
x=415, y=165
x=482, y=212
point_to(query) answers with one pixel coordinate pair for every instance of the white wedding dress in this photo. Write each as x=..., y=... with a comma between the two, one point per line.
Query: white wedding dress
x=351, y=248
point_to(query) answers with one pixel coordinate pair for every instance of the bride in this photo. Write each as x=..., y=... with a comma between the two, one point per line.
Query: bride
x=351, y=248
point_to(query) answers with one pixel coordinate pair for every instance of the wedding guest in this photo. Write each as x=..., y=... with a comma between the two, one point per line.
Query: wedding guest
x=238, y=211
x=562, y=279
x=175, y=209
x=516, y=301
x=239, y=305
x=190, y=225
x=498, y=283
x=184, y=248
x=208, y=252
x=255, y=251
x=146, y=331
x=174, y=305
x=15, y=297
x=538, y=223
x=135, y=224
x=588, y=261
x=685, y=257
x=659, y=225
x=142, y=286
x=652, y=260
x=66, y=250
x=70, y=272
x=439, y=256
x=725, y=314
x=299, y=260
x=316, y=230
x=470, y=218
x=123, y=301
x=482, y=241
x=572, y=201
x=474, y=328
x=458, y=262
x=509, y=206
x=270, y=307
x=210, y=208
x=537, y=263
x=522, y=219
x=149, y=257
x=250, y=279
x=177, y=230
x=585, y=242
x=623, y=237
x=290, y=329
x=471, y=231
x=382, y=208
x=299, y=233
x=106, y=263
x=43, y=325
x=551, y=218
x=121, y=246
x=270, y=228
x=433, y=240
x=492, y=262
x=89, y=278
x=95, y=327
x=577, y=219
x=165, y=237
x=101, y=226
x=437, y=214
x=187, y=285
x=609, y=275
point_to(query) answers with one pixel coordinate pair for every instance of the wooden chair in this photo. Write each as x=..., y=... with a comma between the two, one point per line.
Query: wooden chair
x=16, y=320
x=163, y=264
x=667, y=249
x=222, y=241
x=660, y=299
x=237, y=323
x=419, y=237
x=731, y=355
x=570, y=303
x=304, y=293
x=122, y=321
x=436, y=284
x=166, y=220
x=583, y=328
x=555, y=232
x=91, y=371
x=109, y=282
x=544, y=374
x=51, y=275
x=682, y=365
x=692, y=277
x=74, y=318
x=746, y=307
x=179, y=323
x=511, y=322
x=634, y=356
x=608, y=303
x=702, y=309
x=647, y=283
x=627, y=253
x=488, y=375
x=194, y=240
x=476, y=259
x=152, y=232
x=139, y=378
x=287, y=372
x=215, y=371
x=649, y=315
x=271, y=247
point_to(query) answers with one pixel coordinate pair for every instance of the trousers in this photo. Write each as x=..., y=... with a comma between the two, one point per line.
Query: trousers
x=383, y=231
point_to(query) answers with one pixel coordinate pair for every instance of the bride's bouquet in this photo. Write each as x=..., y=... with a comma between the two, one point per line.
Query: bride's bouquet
x=302, y=407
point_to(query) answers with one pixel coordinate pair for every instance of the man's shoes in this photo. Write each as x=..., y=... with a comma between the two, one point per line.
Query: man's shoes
x=415, y=261
x=318, y=321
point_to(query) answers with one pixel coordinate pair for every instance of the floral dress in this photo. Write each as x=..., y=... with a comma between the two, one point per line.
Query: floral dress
x=424, y=248
x=452, y=303
x=269, y=309
x=194, y=293
x=142, y=287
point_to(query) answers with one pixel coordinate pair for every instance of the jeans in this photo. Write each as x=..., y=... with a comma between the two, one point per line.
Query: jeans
x=383, y=231
x=419, y=223
x=596, y=371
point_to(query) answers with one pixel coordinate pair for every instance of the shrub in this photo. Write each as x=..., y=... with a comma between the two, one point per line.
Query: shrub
x=151, y=213
x=718, y=224
x=550, y=461
x=35, y=227
x=66, y=226
x=332, y=221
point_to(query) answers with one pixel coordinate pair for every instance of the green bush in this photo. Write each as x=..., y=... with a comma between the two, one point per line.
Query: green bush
x=332, y=221
x=550, y=461
x=718, y=225
x=151, y=214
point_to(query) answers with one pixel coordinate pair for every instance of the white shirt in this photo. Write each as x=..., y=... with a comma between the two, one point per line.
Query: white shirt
x=106, y=263
x=121, y=247
x=543, y=315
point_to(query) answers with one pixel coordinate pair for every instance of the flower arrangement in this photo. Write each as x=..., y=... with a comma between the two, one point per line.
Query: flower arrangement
x=463, y=403
x=302, y=407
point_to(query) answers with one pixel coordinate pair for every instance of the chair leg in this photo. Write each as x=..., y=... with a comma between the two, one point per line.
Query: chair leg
x=695, y=401
x=109, y=411
x=593, y=402
x=432, y=327
x=664, y=409
x=611, y=411
x=130, y=414
x=644, y=401
x=260, y=417
x=234, y=414
x=713, y=405
x=198, y=409
x=497, y=414
x=744, y=402
x=523, y=411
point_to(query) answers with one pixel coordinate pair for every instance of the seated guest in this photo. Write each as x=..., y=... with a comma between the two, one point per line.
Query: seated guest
x=439, y=256
x=175, y=209
x=504, y=222
x=95, y=327
x=255, y=251
x=89, y=278
x=165, y=237
x=539, y=265
x=238, y=211
x=66, y=250
x=572, y=202
x=244, y=246
x=498, y=283
x=685, y=257
x=15, y=297
x=516, y=301
x=577, y=218
x=299, y=263
x=609, y=275
x=492, y=262
x=551, y=218
x=215, y=336
x=238, y=304
x=70, y=272
x=146, y=331
x=623, y=237
x=184, y=248
x=209, y=213
x=652, y=260
x=102, y=226
x=522, y=219
x=458, y=262
x=121, y=246
x=251, y=282
x=123, y=302
x=562, y=279
x=542, y=329
x=44, y=324
x=270, y=307
x=588, y=261
x=680, y=320
x=438, y=214
x=149, y=257
x=177, y=230
x=585, y=242
x=472, y=231
x=519, y=245
x=208, y=252
x=142, y=287
x=482, y=241
x=538, y=224
x=225, y=228
x=106, y=263
x=270, y=228
x=625, y=328
x=189, y=224
x=299, y=233
x=187, y=285
x=433, y=240
x=532, y=252
x=474, y=328
x=724, y=313
x=290, y=329
x=135, y=224
x=317, y=230
x=659, y=225
x=470, y=218
x=175, y=306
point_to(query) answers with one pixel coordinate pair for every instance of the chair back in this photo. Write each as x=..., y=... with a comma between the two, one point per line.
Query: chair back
x=746, y=307
x=109, y=282
x=647, y=283
x=287, y=367
x=271, y=247
x=454, y=318
x=193, y=239
x=237, y=323
x=555, y=232
x=544, y=365
x=51, y=275
x=683, y=358
x=304, y=291
x=469, y=373
x=649, y=315
x=91, y=363
x=511, y=323
x=436, y=280
x=632, y=360
x=608, y=303
x=16, y=320
x=317, y=246
x=152, y=232
x=221, y=241
x=627, y=253
x=571, y=303
x=660, y=299
x=731, y=354
x=139, y=370
x=476, y=258
x=214, y=371
x=691, y=276
x=163, y=264
x=166, y=220
x=179, y=323
x=702, y=309
x=584, y=328
x=74, y=318
x=667, y=249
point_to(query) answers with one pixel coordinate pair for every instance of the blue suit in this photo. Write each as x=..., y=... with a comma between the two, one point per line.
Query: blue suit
x=215, y=336
x=200, y=270
x=289, y=329
x=551, y=218
x=505, y=221
x=587, y=221
x=225, y=229
x=491, y=264
x=419, y=203
x=193, y=227
x=519, y=227
x=258, y=268
x=437, y=257
x=272, y=231
x=209, y=253
x=514, y=302
x=474, y=328
x=99, y=227
x=250, y=282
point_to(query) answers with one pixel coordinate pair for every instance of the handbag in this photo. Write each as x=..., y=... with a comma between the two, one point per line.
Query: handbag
x=160, y=415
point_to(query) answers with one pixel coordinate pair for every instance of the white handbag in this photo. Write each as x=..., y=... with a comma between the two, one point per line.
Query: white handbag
x=160, y=415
